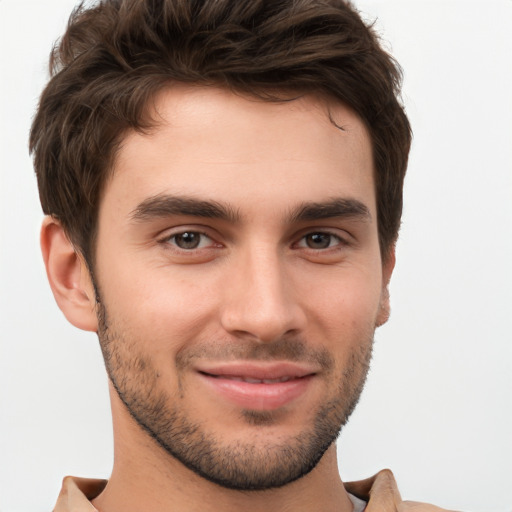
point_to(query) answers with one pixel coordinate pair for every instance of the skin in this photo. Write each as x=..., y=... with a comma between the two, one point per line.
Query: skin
x=261, y=281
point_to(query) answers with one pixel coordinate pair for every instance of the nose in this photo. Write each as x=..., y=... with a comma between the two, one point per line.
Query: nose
x=260, y=300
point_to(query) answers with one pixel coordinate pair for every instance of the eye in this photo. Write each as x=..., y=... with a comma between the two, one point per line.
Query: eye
x=320, y=240
x=189, y=240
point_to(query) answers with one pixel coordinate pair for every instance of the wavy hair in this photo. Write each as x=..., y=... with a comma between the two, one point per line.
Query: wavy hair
x=117, y=54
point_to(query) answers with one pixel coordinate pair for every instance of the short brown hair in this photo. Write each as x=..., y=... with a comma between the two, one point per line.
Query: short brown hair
x=117, y=54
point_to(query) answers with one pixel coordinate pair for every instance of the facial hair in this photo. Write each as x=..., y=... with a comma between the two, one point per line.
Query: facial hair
x=242, y=466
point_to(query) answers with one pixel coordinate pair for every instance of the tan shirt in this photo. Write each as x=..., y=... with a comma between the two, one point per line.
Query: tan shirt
x=380, y=491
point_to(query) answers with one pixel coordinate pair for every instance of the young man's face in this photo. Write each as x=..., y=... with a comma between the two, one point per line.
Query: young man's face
x=240, y=280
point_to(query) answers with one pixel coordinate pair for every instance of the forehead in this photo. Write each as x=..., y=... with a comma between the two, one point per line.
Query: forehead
x=212, y=143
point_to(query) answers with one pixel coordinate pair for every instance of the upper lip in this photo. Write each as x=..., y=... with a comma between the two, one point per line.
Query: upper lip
x=258, y=370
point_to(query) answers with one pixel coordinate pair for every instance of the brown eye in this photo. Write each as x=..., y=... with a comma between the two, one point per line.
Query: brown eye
x=189, y=240
x=319, y=240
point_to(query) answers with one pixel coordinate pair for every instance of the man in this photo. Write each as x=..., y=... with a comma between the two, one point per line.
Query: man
x=223, y=188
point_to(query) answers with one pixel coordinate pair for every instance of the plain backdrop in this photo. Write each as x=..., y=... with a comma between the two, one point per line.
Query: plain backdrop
x=437, y=408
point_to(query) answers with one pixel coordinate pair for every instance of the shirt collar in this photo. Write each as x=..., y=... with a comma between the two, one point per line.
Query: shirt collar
x=380, y=491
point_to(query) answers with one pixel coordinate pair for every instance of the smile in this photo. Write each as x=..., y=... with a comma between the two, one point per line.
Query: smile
x=251, y=380
x=258, y=386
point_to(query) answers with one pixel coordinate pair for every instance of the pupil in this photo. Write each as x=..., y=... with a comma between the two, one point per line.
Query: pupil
x=187, y=240
x=318, y=241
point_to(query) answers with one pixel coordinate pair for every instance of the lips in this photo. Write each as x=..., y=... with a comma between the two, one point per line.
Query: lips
x=254, y=381
x=258, y=371
x=258, y=386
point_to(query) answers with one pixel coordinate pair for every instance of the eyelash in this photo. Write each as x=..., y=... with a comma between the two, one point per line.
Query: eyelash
x=332, y=237
x=339, y=241
x=173, y=238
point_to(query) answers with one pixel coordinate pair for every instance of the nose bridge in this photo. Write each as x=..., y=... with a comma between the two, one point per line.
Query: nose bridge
x=260, y=302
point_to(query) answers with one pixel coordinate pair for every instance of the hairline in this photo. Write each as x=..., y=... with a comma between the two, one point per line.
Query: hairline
x=276, y=94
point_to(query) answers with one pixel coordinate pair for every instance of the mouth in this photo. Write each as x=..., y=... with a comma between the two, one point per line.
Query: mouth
x=251, y=380
x=258, y=386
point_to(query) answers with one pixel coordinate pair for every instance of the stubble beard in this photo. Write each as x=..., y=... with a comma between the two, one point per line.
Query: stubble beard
x=241, y=466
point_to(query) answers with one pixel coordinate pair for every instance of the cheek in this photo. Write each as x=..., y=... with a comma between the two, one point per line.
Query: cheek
x=160, y=306
x=344, y=300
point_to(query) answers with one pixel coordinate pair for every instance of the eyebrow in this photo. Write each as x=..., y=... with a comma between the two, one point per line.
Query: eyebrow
x=334, y=208
x=161, y=206
x=164, y=205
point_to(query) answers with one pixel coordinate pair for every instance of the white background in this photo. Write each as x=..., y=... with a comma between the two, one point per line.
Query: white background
x=438, y=405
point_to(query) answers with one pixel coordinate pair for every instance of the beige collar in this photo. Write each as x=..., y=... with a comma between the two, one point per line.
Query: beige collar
x=380, y=491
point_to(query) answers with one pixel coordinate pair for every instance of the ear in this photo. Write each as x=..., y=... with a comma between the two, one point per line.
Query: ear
x=387, y=269
x=69, y=276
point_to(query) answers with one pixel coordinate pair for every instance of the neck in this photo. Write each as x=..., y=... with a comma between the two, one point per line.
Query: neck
x=145, y=477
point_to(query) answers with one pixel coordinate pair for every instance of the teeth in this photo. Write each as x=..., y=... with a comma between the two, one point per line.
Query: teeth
x=250, y=380
x=281, y=379
x=260, y=381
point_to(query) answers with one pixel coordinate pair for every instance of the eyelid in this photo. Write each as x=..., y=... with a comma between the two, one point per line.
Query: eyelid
x=342, y=236
x=166, y=237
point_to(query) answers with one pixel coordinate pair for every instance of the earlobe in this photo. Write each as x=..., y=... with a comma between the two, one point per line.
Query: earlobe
x=69, y=276
x=385, y=306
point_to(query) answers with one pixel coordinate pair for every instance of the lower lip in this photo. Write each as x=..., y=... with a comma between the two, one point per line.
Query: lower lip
x=258, y=396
